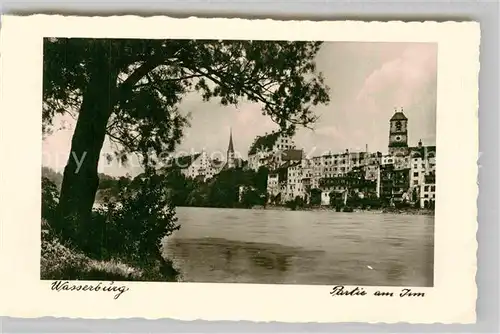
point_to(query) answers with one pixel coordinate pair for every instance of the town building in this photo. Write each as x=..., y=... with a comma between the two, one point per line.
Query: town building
x=428, y=192
x=394, y=185
x=404, y=175
x=198, y=166
x=272, y=150
x=372, y=165
x=398, y=134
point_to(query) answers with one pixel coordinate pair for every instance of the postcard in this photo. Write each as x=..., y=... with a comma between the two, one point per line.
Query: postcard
x=230, y=169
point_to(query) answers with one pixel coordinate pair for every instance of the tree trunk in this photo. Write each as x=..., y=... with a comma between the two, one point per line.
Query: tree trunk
x=80, y=181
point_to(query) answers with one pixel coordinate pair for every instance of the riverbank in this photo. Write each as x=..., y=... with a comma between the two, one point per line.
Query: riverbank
x=405, y=211
x=400, y=211
x=60, y=261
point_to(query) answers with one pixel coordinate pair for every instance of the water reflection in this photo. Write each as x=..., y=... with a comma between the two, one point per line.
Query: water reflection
x=250, y=246
x=223, y=260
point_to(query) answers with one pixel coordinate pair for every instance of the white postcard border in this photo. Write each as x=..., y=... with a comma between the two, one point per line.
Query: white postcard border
x=451, y=300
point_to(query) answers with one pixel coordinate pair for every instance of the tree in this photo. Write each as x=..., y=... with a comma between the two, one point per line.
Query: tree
x=130, y=90
x=224, y=188
x=179, y=186
x=261, y=179
x=250, y=197
x=315, y=196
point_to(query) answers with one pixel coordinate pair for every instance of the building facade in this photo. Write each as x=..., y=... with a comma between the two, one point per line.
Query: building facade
x=398, y=134
x=199, y=166
x=403, y=175
x=272, y=150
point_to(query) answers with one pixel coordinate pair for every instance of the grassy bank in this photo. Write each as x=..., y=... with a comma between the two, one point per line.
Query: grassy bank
x=63, y=262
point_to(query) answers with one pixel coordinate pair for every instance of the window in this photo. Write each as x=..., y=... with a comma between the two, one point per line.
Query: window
x=426, y=196
x=415, y=166
x=415, y=174
x=433, y=188
x=415, y=182
x=426, y=188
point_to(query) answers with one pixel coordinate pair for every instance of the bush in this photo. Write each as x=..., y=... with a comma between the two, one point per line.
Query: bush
x=297, y=203
x=50, y=199
x=348, y=209
x=126, y=229
x=133, y=225
x=315, y=196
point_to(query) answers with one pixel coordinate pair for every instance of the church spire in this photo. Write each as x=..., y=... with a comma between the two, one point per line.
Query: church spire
x=230, y=151
x=230, y=148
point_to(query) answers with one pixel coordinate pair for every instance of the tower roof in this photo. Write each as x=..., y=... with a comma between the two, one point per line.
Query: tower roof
x=230, y=147
x=398, y=116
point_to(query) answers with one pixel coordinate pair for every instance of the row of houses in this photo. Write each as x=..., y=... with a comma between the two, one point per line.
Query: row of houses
x=404, y=174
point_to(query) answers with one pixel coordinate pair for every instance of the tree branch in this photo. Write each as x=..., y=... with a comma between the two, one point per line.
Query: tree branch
x=187, y=77
x=138, y=74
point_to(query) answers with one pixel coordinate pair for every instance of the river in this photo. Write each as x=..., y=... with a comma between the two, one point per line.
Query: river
x=302, y=247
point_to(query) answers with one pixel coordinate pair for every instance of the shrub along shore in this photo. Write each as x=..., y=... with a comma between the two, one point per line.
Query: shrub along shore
x=121, y=241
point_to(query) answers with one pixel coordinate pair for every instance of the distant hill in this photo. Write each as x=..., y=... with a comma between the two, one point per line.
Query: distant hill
x=105, y=181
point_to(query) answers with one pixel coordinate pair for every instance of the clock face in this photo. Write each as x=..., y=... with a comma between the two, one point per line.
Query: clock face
x=398, y=138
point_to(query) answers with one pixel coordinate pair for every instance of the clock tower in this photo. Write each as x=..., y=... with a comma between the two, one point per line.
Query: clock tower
x=398, y=134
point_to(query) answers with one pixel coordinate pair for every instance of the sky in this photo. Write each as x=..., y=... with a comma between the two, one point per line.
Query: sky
x=367, y=82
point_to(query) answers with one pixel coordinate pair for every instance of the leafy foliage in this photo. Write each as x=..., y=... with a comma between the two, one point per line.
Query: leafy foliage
x=315, y=196
x=252, y=196
x=50, y=199
x=138, y=219
x=128, y=228
x=53, y=176
x=130, y=90
x=152, y=77
x=297, y=203
x=260, y=179
x=265, y=143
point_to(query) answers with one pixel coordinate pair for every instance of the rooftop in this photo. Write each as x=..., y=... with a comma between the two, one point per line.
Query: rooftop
x=398, y=116
x=186, y=161
x=263, y=143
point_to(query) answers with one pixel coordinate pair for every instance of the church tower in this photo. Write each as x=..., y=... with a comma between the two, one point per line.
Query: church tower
x=398, y=134
x=230, y=151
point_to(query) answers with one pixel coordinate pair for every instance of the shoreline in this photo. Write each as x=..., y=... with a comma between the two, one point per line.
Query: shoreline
x=386, y=210
x=424, y=212
x=412, y=212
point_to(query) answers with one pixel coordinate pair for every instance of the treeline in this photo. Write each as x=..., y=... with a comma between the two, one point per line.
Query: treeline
x=222, y=191
x=107, y=183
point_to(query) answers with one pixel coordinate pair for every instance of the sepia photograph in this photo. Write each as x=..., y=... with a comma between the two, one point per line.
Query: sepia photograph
x=239, y=161
x=239, y=170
